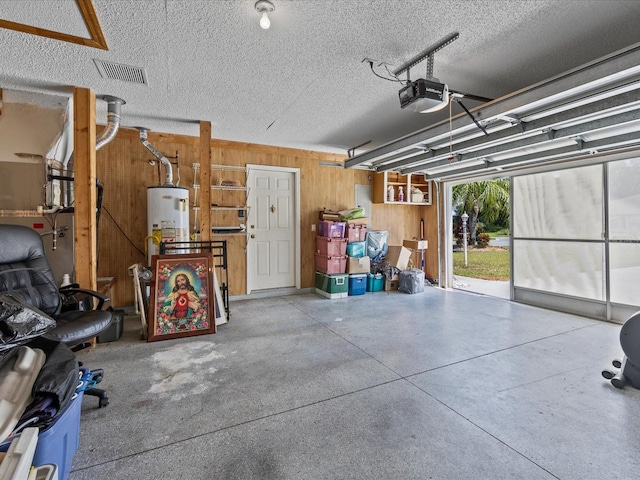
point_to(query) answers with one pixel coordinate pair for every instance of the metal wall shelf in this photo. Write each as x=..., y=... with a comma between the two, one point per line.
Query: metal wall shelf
x=228, y=167
x=218, y=207
x=228, y=187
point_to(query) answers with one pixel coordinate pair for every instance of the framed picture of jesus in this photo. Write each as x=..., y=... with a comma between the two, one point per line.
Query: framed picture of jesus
x=181, y=300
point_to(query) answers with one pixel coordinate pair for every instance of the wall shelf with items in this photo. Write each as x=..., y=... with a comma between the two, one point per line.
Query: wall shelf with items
x=420, y=189
x=228, y=200
x=218, y=207
x=229, y=187
x=229, y=231
x=415, y=189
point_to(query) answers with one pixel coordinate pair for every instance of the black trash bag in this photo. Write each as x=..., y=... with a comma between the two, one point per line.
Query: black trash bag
x=58, y=377
x=20, y=322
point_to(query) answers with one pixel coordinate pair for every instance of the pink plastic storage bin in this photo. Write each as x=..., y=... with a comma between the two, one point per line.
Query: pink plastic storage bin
x=331, y=246
x=356, y=233
x=331, y=229
x=331, y=263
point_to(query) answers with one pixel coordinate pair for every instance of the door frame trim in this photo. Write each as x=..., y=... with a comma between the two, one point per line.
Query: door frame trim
x=296, y=218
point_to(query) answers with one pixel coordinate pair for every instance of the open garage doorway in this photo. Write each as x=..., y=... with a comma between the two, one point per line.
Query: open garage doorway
x=481, y=236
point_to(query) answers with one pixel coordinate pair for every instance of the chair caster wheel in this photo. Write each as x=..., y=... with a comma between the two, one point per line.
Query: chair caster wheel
x=608, y=374
x=103, y=402
x=619, y=381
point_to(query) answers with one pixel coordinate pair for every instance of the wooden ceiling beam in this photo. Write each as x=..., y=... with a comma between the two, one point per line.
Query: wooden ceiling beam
x=88, y=13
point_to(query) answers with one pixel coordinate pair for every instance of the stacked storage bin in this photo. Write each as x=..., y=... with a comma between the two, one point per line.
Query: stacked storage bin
x=375, y=282
x=331, y=260
x=357, y=283
x=355, y=233
x=358, y=262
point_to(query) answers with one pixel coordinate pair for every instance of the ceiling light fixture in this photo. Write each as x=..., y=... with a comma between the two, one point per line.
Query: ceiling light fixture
x=265, y=7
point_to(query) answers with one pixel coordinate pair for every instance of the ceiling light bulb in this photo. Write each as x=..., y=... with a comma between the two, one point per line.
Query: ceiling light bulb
x=264, y=21
x=265, y=7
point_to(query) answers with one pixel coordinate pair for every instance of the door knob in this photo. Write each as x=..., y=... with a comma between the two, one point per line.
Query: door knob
x=273, y=209
x=253, y=236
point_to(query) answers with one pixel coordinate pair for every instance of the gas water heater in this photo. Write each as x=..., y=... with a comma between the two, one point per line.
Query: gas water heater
x=167, y=207
x=167, y=217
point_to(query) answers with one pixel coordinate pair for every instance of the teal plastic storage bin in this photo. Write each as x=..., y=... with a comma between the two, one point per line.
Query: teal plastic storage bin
x=375, y=282
x=356, y=249
x=357, y=283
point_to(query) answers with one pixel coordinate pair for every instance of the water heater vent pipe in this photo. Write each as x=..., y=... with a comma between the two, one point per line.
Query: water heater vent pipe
x=168, y=172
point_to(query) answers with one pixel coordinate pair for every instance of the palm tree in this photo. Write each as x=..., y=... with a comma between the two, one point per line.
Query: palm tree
x=488, y=199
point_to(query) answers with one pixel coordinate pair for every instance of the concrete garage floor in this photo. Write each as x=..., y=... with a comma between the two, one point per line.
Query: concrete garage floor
x=443, y=384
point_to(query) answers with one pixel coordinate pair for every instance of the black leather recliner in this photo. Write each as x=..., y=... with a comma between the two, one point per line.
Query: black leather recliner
x=25, y=273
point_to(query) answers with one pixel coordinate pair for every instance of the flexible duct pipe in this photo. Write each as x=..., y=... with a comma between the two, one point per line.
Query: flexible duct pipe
x=113, y=121
x=104, y=137
x=168, y=172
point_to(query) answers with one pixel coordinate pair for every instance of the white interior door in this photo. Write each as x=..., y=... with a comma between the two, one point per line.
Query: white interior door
x=272, y=226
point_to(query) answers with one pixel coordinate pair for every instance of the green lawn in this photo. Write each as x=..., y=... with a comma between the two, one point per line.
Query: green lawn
x=488, y=264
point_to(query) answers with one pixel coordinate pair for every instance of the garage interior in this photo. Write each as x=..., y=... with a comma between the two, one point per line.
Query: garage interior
x=443, y=384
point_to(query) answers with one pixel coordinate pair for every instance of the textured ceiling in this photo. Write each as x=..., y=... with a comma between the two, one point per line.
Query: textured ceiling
x=302, y=83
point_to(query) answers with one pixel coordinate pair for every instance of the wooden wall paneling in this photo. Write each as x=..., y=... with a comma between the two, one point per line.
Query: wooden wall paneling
x=125, y=172
x=237, y=265
x=205, y=181
x=123, y=216
x=317, y=190
x=85, y=192
x=320, y=187
x=403, y=223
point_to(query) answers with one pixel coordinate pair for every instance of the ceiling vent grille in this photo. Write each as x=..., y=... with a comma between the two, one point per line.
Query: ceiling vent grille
x=124, y=73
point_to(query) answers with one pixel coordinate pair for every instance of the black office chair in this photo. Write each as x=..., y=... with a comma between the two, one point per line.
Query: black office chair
x=25, y=273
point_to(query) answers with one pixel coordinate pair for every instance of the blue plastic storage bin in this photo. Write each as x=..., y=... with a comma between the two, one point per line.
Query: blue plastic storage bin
x=357, y=283
x=59, y=441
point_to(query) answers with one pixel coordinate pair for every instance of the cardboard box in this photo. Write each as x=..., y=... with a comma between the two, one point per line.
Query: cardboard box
x=391, y=284
x=359, y=264
x=358, y=221
x=398, y=256
x=415, y=244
